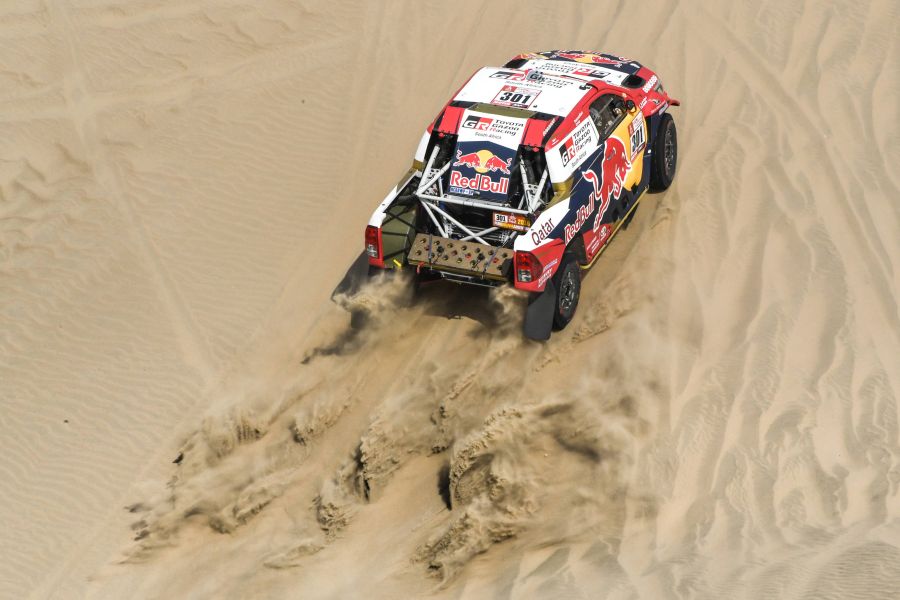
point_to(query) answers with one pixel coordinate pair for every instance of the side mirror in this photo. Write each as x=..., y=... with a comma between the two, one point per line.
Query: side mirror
x=630, y=106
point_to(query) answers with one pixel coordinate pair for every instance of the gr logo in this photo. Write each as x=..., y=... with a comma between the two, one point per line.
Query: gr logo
x=479, y=123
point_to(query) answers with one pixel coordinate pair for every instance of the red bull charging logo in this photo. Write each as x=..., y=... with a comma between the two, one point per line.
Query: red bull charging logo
x=483, y=161
x=595, y=59
x=613, y=169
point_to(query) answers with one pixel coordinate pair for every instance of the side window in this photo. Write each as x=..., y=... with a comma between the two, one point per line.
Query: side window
x=607, y=112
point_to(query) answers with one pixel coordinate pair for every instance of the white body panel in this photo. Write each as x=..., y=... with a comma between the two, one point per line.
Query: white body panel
x=377, y=217
x=574, y=69
x=423, y=147
x=541, y=228
x=564, y=158
x=515, y=89
x=477, y=127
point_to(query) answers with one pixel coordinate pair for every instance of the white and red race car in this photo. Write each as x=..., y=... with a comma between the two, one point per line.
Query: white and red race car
x=527, y=174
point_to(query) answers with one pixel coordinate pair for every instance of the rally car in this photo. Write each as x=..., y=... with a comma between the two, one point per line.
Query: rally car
x=526, y=175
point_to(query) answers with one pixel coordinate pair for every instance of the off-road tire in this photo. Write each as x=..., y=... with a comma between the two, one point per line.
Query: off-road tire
x=568, y=289
x=665, y=155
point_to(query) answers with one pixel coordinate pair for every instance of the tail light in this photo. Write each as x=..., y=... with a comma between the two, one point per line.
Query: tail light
x=373, y=244
x=528, y=267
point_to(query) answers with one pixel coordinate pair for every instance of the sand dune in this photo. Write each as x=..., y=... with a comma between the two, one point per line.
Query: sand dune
x=187, y=412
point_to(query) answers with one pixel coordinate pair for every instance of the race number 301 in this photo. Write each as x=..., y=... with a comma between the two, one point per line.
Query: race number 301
x=515, y=96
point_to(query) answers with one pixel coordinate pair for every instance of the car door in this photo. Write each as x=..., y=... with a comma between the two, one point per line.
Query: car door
x=624, y=135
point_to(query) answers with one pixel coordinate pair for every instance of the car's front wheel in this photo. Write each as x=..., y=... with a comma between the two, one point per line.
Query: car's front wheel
x=568, y=290
x=665, y=155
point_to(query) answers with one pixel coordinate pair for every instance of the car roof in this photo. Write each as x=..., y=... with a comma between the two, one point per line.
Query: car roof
x=527, y=90
x=612, y=70
x=552, y=82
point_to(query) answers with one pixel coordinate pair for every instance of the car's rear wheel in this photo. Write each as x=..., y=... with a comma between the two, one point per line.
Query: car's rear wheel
x=665, y=155
x=568, y=290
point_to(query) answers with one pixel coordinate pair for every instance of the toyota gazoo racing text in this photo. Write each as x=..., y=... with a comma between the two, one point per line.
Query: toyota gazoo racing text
x=526, y=175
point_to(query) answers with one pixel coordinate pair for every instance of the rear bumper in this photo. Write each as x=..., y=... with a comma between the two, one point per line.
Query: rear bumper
x=432, y=275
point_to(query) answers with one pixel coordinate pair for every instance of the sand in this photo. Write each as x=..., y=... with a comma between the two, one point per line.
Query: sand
x=186, y=412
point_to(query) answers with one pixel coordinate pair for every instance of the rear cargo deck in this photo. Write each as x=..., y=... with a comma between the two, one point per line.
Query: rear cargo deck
x=463, y=257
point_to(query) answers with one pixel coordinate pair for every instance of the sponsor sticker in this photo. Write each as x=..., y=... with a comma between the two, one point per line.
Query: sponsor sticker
x=515, y=96
x=597, y=59
x=547, y=272
x=483, y=161
x=473, y=186
x=511, y=221
x=537, y=78
x=542, y=232
x=567, y=151
x=604, y=232
x=472, y=174
x=499, y=129
x=607, y=186
x=576, y=147
x=637, y=129
x=479, y=123
x=509, y=75
x=607, y=71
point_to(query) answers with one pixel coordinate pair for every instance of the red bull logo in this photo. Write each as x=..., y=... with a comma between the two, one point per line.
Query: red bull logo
x=595, y=59
x=483, y=161
x=480, y=183
x=614, y=168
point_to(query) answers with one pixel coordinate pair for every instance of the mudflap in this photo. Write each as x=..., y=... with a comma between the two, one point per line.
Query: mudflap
x=357, y=275
x=539, y=315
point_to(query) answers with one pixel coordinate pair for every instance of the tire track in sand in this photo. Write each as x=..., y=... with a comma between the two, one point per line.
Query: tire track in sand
x=194, y=347
x=759, y=76
x=193, y=344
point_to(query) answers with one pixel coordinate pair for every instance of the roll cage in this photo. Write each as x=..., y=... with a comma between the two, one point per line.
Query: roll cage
x=529, y=192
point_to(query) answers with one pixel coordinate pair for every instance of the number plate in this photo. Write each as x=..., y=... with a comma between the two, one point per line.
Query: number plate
x=511, y=221
x=515, y=96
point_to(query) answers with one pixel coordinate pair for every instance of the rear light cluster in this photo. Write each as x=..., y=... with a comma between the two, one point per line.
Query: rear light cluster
x=528, y=267
x=373, y=242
